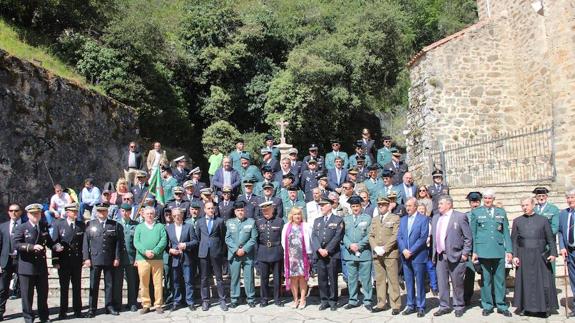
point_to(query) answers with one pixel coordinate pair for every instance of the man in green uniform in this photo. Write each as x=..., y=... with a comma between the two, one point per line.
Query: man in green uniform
x=237, y=154
x=373, y=184
x=249, y=171
x=474, y=199
x=126, y=270
x=332, y=155
x=548, y=210
x=294, y=198
x=384, y=153
x=241, y=235
x=356, y=253
x=492, y=247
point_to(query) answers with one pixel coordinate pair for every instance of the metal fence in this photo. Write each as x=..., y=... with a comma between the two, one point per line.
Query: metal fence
x=521, y=156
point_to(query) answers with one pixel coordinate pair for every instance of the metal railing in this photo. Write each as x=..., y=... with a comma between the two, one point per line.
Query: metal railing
x=522, y=156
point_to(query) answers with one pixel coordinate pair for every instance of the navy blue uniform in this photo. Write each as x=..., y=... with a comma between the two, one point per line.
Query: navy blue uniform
x=270, y=255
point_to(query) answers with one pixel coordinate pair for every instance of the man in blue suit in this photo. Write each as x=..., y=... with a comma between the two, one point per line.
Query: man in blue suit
x=406, y=189
x=226, y=176
x=567, y=238
x=412, y=242
x=182, y=240
x=336, y=176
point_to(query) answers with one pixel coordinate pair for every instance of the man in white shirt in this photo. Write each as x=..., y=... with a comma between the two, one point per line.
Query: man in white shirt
x=57, y=203
x=313, y=208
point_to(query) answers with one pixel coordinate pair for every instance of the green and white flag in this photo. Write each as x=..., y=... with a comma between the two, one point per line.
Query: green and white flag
x=156, y=188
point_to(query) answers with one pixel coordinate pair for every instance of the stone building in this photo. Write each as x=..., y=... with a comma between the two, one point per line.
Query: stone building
x=494, y=104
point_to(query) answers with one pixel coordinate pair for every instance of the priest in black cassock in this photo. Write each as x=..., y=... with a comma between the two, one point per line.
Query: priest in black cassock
x=533, y=252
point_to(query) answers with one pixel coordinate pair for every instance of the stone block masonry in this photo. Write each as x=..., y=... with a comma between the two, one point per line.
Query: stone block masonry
x=51, y=123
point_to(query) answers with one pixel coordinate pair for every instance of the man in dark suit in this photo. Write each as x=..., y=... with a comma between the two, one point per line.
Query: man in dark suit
x=210, y=231
x=226, y=205
x=397, y=166
x=269, y=252
x=437, y=189
x=285, y=170
x=277, y=202
x=412, y=243
x=249, y=198
x=198, y=185
x=103, y=243
x=68, y=233
x=313, y=154
x=336, y=176
x=140, y=188
x=452, y=242
x=31, y=240
x=567, y=239
x=181, y=172
x=327, y=234
x=309, y=179
x=182, y=240
x=178, y=201
x=295, y=165
x=132, y=162
x=269, y=161
x=8, y=255
x=227, y=176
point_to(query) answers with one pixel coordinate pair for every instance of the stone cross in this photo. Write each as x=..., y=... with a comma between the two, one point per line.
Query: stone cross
x=282, y=125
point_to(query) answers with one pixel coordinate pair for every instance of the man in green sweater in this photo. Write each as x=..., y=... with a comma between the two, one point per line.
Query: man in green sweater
x=150, y=240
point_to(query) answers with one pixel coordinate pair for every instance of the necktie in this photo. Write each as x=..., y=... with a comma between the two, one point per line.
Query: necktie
x=570, y=230
x=210, y=225
x=13, y=227
x=103, y=224
x=72, y=226
x=325, y=218
x=491, y=212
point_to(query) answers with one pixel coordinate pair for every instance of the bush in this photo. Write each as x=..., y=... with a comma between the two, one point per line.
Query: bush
x=221, y=134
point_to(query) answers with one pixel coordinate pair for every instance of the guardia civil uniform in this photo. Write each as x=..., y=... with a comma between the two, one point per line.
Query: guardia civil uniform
x=241, y=234
x=357, y=228
x=491, y=241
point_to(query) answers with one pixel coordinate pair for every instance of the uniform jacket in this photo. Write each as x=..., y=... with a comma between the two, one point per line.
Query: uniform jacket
x=277, y=204
x=273, y=164
x=319, y=159
x=241, y=234
x=102, y=245
x=551, y=212
x=383, y=233
x=383, y=157
x=187, y=236
x=269, y=239
x=128, y=253
x=397, y=171
x=139, y=192
x=226, y=211
x=357, y=231
x=214, y=242
x=70, y=240
x=330, y=159
x=414, y=241
x=458, y=239
x=491, y=237
x=435, y=192
x=32, y=262
x=252, y=204
x=180, y=175
x=328, y=235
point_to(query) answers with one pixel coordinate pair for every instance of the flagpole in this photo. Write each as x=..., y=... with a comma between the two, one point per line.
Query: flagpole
x=141, y=204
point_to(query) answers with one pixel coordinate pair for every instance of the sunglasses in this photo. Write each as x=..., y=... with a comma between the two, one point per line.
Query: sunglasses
x=132, y=146
x=423, y=190
x=13, y=210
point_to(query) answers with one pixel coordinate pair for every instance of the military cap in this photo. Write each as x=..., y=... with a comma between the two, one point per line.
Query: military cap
x=239, y=205
x=359, y=144
x=266, y=204
x=226, y=189
x=324, y=201
x=265, y=150
x=373, y=167
x=540, y=190
x=289, y=175
x=321, y=176
x=360, y=158
x=292, y=151
x=354, y=200
x=126, y=206
x=102, y=206
x=150, y=198
x=269, y=137
x=71, y=206
x=168, y=210
x=141, y=173
x=179, y=159
x=267, y=169
x=386, y=137
x=474, y=196
x=196, y=170
x=353, y=171
x=267, y=185
x=245, y=156
x=312, y=161
x=188, y=184
x=178, y=189
x=35, y=207
x=383, y=200
x=334, y=141
x=392, y=195
x=195, y=205
x=206, y=191
x=313, y=147
x=394, y=151
x=292, y=188
x=249, y=181
x=437, y=173
x=387, y=173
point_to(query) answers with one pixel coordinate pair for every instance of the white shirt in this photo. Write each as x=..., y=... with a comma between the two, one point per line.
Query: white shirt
x=313, y=211
x=150, y=226
x=132, y=160
x=408, y=190
x=178, y=231
x=157, y=158
x=227, y=178
x=13, y=226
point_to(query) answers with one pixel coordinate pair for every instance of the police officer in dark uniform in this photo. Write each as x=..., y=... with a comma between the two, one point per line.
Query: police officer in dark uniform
x=103, y=243
x=69, y=234
x=437, y=189
x=313, y=154
x=327, y=234
x=270, y=252
x=249, y=198
x=181, y=172
x=30, y=240
x=309, y=179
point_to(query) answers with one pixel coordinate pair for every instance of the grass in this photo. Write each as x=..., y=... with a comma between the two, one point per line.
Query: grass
x=12, y=43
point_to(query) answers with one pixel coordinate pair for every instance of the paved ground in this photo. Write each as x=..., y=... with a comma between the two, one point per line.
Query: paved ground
x=274, y=314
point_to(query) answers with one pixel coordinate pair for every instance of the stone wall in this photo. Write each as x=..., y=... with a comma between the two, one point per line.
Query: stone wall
x=49, y=123
x=514, y=70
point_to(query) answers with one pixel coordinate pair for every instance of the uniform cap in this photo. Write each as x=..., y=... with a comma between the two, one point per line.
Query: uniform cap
x=324, y=201
x=437, y=173
x=383, y=200
x=226, y=189
x=35, y=207
x=178, y=189
x=71, y=206
x=292, y=151
x=266, y=204
x=540, y=190
x=313, y=147
x=102, y=206
x=181, y=158
x=126, y=206
x=239, y=205
x=267, y=185
x=474, y=196
x=188, y=184
x=354, y=200
x=141, y=173
x=206, y=191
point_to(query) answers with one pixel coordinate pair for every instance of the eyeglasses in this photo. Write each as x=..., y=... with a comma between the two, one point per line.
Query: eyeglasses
x=13, y=210
x=132, y=146
x=346, y=187
x=423, y=190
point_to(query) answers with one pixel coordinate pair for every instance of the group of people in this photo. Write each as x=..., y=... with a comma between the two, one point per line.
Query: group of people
x=361, y=215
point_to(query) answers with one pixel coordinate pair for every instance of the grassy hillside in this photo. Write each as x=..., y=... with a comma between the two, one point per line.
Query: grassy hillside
x=11, y=43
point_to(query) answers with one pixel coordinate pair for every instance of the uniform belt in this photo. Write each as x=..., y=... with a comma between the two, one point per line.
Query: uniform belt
x=14, y=256
x=270, y=244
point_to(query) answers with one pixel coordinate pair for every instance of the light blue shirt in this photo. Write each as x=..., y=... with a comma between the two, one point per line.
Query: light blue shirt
x=410, y=220
x=90, y=196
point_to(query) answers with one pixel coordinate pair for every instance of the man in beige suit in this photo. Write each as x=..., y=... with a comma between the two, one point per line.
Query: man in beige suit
x=156, y=157
x=383, y=241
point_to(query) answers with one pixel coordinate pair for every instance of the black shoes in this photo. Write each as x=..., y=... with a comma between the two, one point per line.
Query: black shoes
x=333, y=308
x=111, y=311
x=486, y=312
x=369, y=308
x=505, y=313
x=420, y=313
x=376, y=309
x=323, y=306
x=90, y=314
x=394, y=312
x=441, y=311
x=458, y=313
x=192, y=307
x=408, y=311
x=350, y=306
x=62, y=316
x=205, y=306
x=134, y=308
x=279, y=303
x=263, y=303
x=224, y=306
x=251, y=304
x=234, y=305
